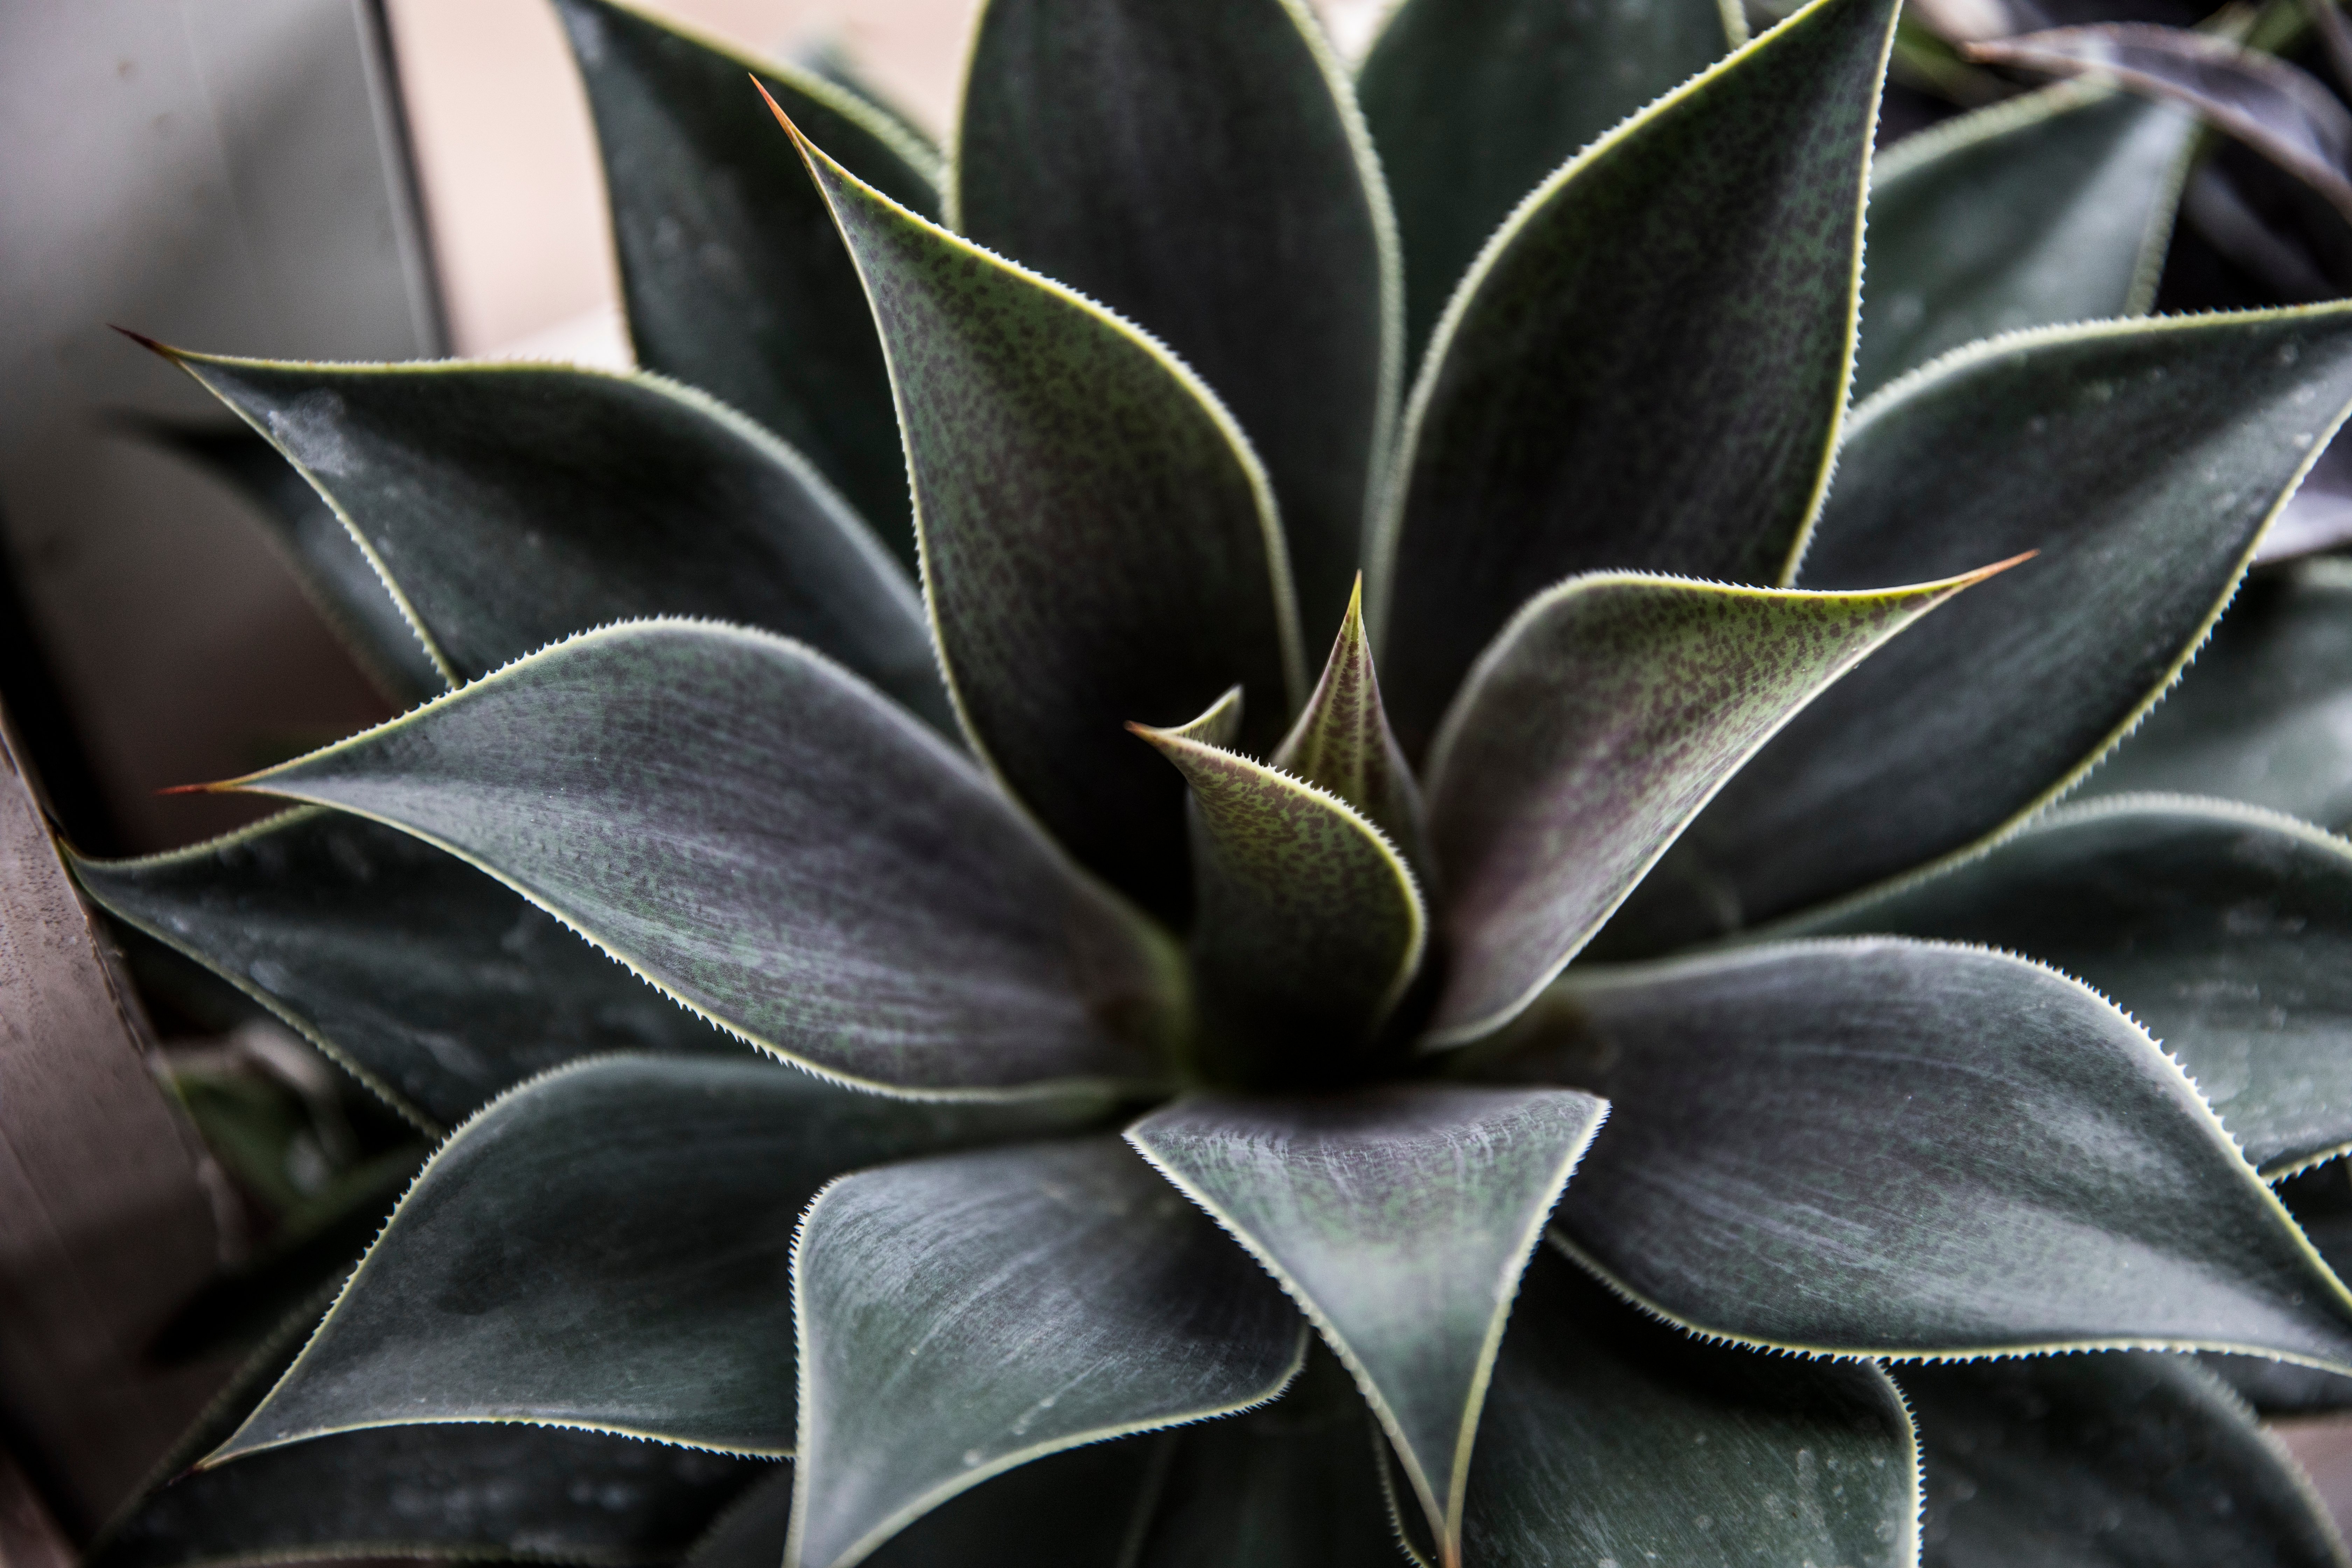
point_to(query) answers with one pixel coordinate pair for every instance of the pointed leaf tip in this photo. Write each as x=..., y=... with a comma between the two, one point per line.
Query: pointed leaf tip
x=1342, y=743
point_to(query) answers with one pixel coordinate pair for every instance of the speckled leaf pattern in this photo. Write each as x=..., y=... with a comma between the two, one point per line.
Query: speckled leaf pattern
x=1400, y=1219
x=436, y=984
x=2225, y=932
x=1099, y=545
x=774, y=846
x=960, y=1315
x=1342, y=743
x=1595, y=727
x=1611, y=1437
x=2122, y=1458
x=1472, y=102
x=2265, y=713
x=1202, y=169
x=510, y=505
x=733, y=278
x=608, y=1248
x=2143, y=461
x=2048, y=208
x=1686, y=287
x=1881, y=1146
x=1309, y=925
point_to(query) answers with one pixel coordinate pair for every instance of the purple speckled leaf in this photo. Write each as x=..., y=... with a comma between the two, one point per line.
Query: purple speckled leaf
x=1342, y=742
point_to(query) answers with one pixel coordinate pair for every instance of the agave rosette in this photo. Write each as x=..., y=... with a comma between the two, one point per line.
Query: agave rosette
x=1236, y=1116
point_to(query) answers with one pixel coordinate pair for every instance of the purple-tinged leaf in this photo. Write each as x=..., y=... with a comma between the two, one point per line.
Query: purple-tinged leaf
x=1342, y=744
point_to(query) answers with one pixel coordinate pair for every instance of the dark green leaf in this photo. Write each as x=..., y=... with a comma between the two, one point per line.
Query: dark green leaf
x=775, y=847
x=1611, y=1438
x=1472, y=102
x=1594, y=729
x=2138, y=1460
x=434, y=985
x=1341, y=741
x=2321, y=1202
x=1400, y=1219
x=1647, y=366
x=2143, y=461
x=607, y=1246
x=1890, y=1147
x=2265, y=713
x=1099, y=544
x=828, y=58
x=2048, y=208
x=733, y=277
x=514, y=504
x=963, y=1315
x=2226, y=932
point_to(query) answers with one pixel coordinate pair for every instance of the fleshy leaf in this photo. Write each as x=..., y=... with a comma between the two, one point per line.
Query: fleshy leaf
x=1471, y=104
x=2265, y=713
x=1595, y=727
x=1341, y=741
x=1400, y=1219
x=1687, y=285
x=1309, y=927
x=1202, y=169
x=733, y=278
x=2143, y=461
x=2226, y=932
x=510, y=505
x=1610, y=1436
x=1899, y=1148
x=1099, y=541
x=774, y=846
x=2048, y=208
x=2057, y=1461
x=434, y=985
x=963, y=1315
x=608, y=1248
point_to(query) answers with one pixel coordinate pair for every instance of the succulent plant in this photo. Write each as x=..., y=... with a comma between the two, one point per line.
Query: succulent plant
x=1624, y=1067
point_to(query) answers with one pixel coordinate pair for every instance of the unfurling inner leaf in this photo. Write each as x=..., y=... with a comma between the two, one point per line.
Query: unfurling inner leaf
x=1342, y=743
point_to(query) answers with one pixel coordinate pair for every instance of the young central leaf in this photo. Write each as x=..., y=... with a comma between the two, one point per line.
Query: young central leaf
x=1342, y=744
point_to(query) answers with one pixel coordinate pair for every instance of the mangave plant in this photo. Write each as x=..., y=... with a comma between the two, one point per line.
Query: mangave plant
x=921, y=976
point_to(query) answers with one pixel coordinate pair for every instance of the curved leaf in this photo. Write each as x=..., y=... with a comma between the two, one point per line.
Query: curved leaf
x=2319, y=518
x=1400, y=1219
x=437, y=986
x=734, y=279
x=2057, y=1461
x=1201, y=170
x=1341, y=741
x=963, y=1315
x=1098, y=543
x=510, y=505
x=607, y=1246
x=2226, y=932
x=1472, y=102
x=1687, y=285
x=1611, y=1437
x=776, y=848
x=1881, y=1147
x=2143, y=461
x=2265, y=713
x=2048, y=208
x=1595, y=727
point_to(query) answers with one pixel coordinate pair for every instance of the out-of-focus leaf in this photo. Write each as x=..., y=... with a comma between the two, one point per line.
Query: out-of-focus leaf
x=1472, y=102
x=2278, y=108
x=2048, y=208
x=1100, y=543
x=1400, y=1219
x=1202, y=169
x=2319, y=518
x=1610, y=1436
x=1596, y=726
x=434, y=985
x=607, y=1248
x=829, y=60
x=1342, y=744
x=963, y=1315
x=510, y=505
x=777, y=848
x=2143, y=461
x=1646, y=368
x=2226, y=932
x=2265, y=713
x=734, y=279
x=2321, y=1202
x=1899, y=1148
x=2121, y=1457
